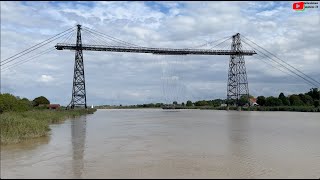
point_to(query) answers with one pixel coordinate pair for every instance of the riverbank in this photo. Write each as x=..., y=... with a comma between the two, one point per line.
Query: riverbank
x=18, y=126
x=253, y=108
x=269, y=108
x=128, y=107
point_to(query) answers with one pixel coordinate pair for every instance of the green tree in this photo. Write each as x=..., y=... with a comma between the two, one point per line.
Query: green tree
x=175, y=103
x=182, y=103
x=307, y=99
x=243, y=100
x=25, y=99
x=25, y=104
x=201, y=103
x=314, y=93
x=189, y=103
x=230, y=101
x=295, y=100
x=284, y=99
x=40, y=100
x=316, y=103
x=9, y=102
x=261, y=100
x=273, y=101
x=210, y=103
x=217, y=102
x=158, y=104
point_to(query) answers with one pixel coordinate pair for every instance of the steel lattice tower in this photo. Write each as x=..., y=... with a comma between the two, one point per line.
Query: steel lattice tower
x=237, y=76
x=79, y=87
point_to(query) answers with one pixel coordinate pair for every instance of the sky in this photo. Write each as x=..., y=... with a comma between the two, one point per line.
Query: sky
x=130, y=78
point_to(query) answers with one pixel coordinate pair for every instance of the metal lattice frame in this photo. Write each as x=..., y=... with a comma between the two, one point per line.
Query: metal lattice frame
x=237, y=75
x=79, y=87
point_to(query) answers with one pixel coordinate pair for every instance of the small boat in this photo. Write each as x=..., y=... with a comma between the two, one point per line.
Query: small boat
x=169, y=107
x=172, y=106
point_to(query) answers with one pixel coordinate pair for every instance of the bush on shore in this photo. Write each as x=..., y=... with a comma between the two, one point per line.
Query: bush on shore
x=18, y=126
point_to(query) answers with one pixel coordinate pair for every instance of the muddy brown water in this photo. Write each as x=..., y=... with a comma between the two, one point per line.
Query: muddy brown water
x=156, y=143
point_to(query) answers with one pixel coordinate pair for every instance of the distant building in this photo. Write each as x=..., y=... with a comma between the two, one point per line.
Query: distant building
x=223, y=105
x=253, y=102
x=53, y=106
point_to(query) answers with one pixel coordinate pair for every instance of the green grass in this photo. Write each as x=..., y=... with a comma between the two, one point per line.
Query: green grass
x=18, y=126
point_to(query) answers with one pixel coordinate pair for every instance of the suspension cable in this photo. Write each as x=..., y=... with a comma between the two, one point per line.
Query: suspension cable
x=283, y=61
x=36, y=45
x=221, y=42
x=96, y=37
x=270, y=64
x=8, y=61
x=69, y=37
x=29, y=59
x=210, y=42
x=109, y=39
x=115, y=39
x=280, y=64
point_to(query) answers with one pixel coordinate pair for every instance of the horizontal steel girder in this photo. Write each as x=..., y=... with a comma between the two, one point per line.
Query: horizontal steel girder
x=162, y=51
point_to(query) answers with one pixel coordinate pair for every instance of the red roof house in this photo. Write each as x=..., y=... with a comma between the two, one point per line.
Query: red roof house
x=253, y=102
x=53, y=106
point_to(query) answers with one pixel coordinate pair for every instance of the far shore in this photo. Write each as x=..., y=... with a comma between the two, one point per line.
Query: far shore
x=252, y=108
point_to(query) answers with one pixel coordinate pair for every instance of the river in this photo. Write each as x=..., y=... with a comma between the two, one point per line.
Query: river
x=156, y=143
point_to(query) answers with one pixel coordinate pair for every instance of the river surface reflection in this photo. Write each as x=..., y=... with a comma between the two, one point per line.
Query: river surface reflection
x=156, y=143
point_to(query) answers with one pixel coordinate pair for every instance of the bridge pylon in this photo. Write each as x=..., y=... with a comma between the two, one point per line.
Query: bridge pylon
x=237, y=75
x=79, y=98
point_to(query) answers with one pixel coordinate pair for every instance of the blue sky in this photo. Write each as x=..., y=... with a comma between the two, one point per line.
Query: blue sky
x=120, y=78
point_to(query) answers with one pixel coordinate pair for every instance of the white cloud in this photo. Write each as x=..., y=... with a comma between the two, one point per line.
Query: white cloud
x=46, y=78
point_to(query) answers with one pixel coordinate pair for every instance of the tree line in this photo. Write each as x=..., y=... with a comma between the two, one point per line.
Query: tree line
x=310, y=98
x=9, y=102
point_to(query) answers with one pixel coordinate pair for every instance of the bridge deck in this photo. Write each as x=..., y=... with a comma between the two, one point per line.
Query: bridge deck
x=163, y=51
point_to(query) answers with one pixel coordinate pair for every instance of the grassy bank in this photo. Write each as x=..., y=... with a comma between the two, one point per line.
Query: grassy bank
x=18, y=126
